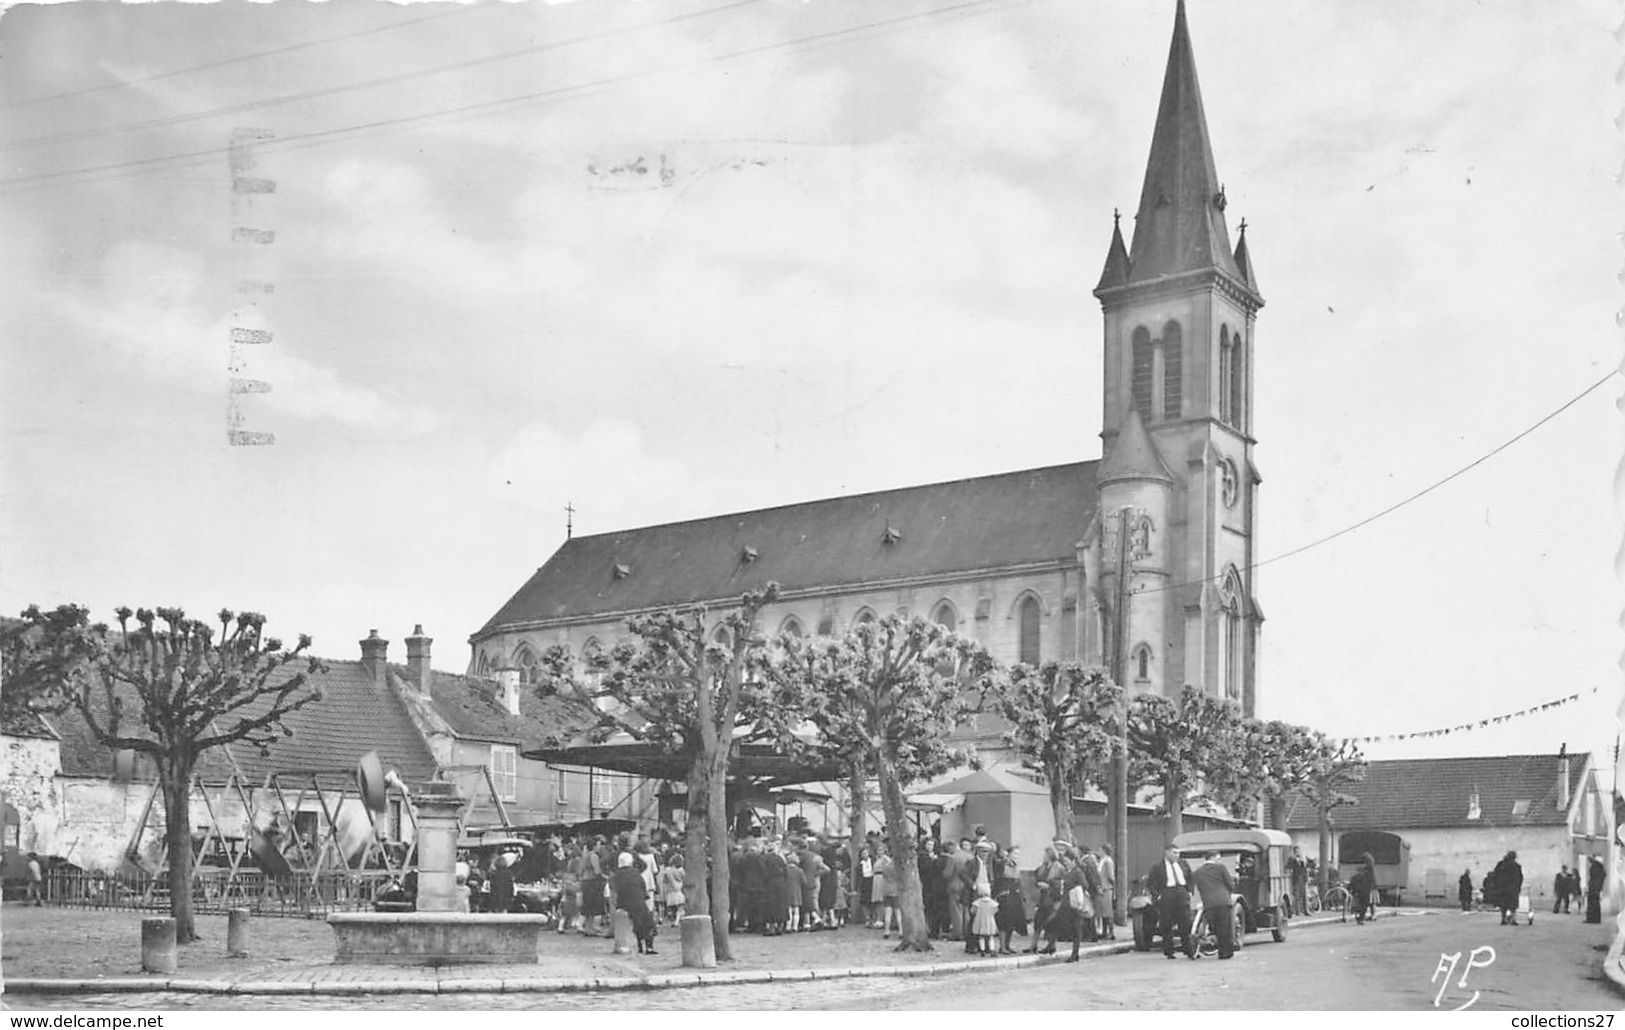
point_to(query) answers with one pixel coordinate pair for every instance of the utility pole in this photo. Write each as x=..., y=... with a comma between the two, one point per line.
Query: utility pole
x=1119, y=667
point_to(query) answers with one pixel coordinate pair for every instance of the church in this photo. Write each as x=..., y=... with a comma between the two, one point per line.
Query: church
x=1141, y=560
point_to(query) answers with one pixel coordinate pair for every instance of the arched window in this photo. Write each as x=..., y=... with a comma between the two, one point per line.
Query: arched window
x=864, y=615
x=527, y=663
x=1142, y=663
x=722, y=638
x=1238, y=383
x=945, y=616
x=1227, y=372
x=1230, y=638
x=1141, y=372
x=1173, y=351
x=790, y=627
x=1028, y=649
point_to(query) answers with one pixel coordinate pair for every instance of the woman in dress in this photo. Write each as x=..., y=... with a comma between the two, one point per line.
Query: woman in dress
x=1012, y=916
x=877, y=892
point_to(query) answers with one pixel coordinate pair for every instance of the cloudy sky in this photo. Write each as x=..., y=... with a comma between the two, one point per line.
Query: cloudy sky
x=662, y=260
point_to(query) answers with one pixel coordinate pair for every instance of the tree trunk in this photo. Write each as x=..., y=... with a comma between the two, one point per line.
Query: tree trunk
x=1275, y=806
x=696, y=840
x=1173, y=798
x=175, y=779
x=1060, y=799
x=1325, y=848
x=718, y=827
x=858, y=818
x=915, y=935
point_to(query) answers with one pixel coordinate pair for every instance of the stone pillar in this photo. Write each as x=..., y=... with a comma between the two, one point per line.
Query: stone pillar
x=438, y=805
x=699, y=946
x=237, y=933
x=625, y=940
x=158, y=945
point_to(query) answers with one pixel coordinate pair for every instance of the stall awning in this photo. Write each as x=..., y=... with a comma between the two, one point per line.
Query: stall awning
x=935, y=802
x=764, y=763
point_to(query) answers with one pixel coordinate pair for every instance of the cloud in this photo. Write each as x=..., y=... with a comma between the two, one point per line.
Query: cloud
x=156, y=306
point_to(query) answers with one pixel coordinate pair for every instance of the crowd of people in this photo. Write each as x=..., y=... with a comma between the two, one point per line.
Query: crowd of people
x=1503, y=889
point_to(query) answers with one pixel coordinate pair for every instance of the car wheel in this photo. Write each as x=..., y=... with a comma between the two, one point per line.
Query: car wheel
x=1278, y=931
x=1238, y=930
x=1142, y=931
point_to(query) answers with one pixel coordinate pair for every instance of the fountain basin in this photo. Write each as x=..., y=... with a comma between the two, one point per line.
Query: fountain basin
x=434, y=938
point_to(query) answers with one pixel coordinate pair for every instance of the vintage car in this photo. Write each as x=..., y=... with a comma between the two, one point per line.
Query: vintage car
x=1257, y=860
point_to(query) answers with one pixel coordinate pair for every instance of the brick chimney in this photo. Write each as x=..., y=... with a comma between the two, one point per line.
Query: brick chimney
x=374, y=653
x=1563, y=778
x=417, y=660
x=508, y=688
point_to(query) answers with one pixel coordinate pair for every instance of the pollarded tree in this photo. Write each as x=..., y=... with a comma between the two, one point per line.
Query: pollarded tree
x=1272, y=760
x=42, y=658
x=897, y=690
x=669, y=686
x=1333, y=766
x=170, y=689
x=1062, y=719
x=1183, y=747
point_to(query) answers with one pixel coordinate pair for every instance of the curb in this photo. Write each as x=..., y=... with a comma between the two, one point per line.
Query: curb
x=558, y=984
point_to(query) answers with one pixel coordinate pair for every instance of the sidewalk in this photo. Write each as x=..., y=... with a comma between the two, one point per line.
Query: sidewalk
x=293, y=956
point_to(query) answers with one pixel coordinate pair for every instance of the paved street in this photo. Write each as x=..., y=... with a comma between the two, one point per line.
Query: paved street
x=1553, y=964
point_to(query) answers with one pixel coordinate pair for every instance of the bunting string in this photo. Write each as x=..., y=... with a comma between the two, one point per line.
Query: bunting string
x=1468, y=727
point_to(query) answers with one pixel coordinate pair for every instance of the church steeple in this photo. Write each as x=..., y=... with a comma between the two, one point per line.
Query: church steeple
x=1116, y=271
x=1179, y=226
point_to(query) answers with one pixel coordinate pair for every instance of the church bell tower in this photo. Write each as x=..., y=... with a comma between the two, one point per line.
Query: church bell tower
x=1178, y=488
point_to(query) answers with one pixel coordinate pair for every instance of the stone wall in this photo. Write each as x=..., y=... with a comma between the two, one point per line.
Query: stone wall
x=28, y=777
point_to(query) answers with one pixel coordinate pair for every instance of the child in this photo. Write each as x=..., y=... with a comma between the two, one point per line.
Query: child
x=843, y=896
x=671, y=888
x=795, y=886
x=984, y=919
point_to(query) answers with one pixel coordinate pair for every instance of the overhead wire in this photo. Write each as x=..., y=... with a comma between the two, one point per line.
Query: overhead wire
x=352, y=87
x=383, y=125
x=1418, y=495
x=239, y=59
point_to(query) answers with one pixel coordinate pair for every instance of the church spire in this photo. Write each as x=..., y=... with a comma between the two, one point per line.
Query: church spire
x=1179, y=226
x=1116, y=271
x=1244, y=258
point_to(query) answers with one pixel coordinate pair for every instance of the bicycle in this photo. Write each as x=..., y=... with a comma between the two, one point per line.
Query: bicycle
x=1339, y=900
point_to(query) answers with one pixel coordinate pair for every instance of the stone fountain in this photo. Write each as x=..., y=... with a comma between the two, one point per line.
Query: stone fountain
x=439, y=933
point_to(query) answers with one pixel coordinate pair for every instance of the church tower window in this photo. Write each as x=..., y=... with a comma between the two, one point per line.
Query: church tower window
x=1227, y=373
x=1027, y=650
x=1238, y=383
x=1230, y=641
x=1141, y=374
x=1173, y=350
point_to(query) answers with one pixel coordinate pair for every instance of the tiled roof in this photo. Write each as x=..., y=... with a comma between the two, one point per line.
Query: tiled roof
x=354, y=716
x=987, y=522
x=474, y=710
x=1437, y=792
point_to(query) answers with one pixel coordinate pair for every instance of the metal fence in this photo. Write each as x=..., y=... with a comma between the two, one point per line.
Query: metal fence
x=300, y=894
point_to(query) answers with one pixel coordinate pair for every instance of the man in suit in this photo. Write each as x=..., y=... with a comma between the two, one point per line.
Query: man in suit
x=1217, y=889
x=1170, y=881
x=953, y=888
